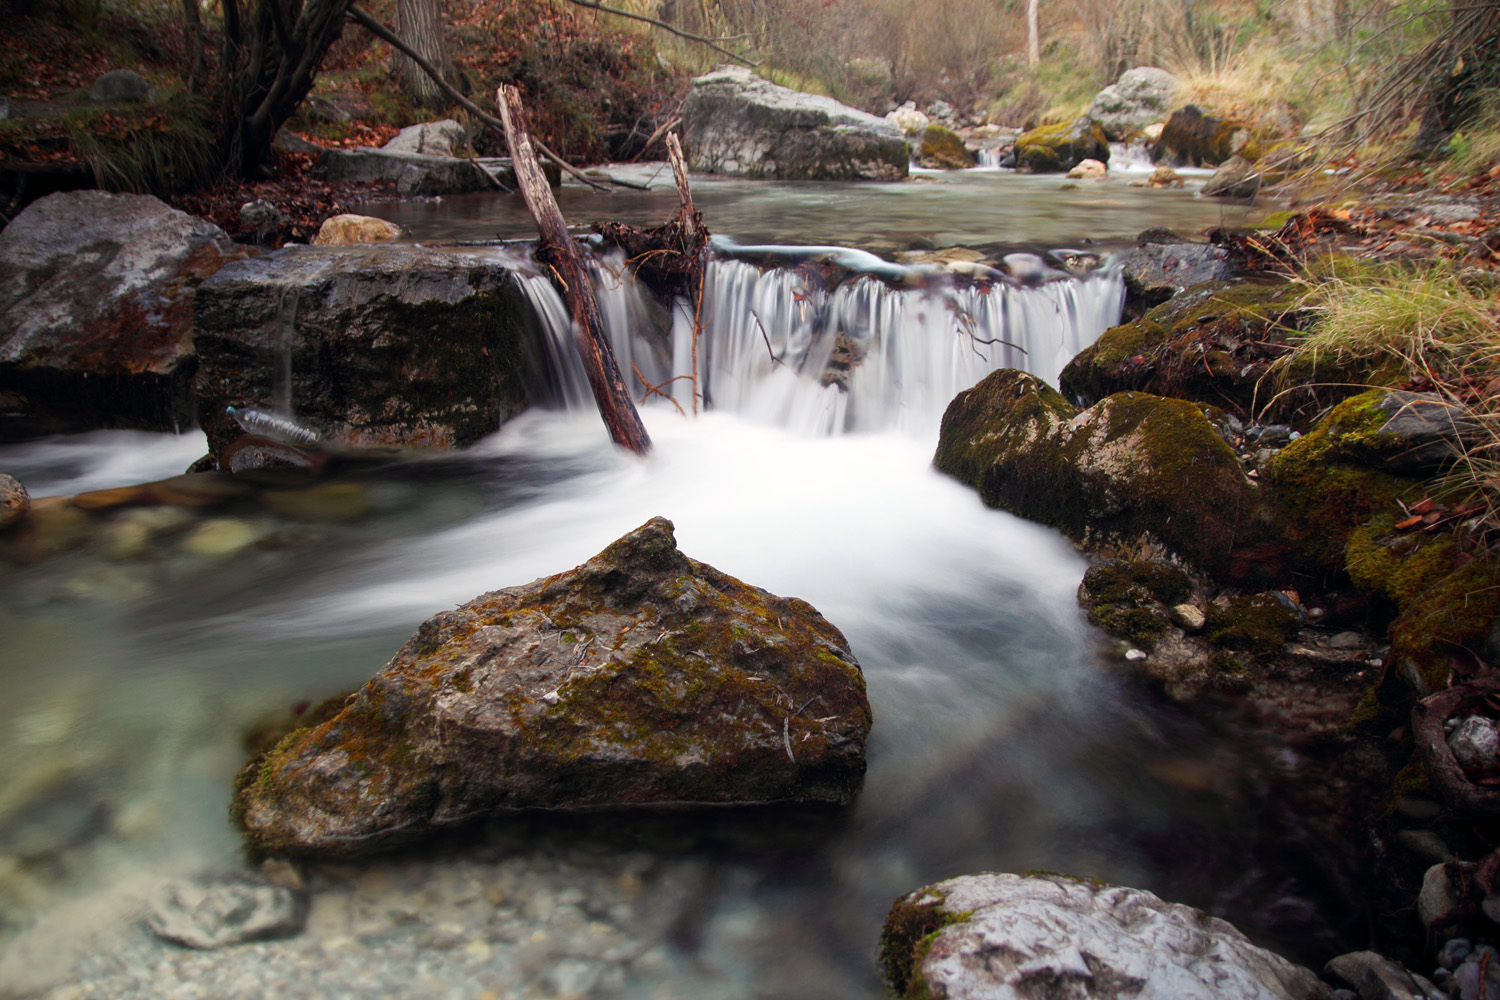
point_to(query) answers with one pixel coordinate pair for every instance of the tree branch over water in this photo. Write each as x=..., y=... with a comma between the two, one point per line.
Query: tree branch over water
x=710, y=42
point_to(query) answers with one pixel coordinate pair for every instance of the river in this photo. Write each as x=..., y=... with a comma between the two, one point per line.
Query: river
x=1004, y=737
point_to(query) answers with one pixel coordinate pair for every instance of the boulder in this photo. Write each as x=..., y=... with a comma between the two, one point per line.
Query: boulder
x=1412, y=433
x=641, y=678
x=1236, y=177
x=440, y=138
x=1140, y=97
x=387, y=344
x=412, y=173
x=1154, y=272
x=1195, y=138
x=121, y=85
x=1376, y=977
x=1008, y=937
x=733, y=122
x=908, y=119
x=347, y=230
x=1089, y=170
x=1164, y=177
x=943, y=149
x=1056, y=149
x=14, y=501
x=1215, y=344
x=96, y=296
x=1133, y=470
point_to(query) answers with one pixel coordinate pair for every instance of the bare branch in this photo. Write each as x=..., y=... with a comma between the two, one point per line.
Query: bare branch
x=710, y=42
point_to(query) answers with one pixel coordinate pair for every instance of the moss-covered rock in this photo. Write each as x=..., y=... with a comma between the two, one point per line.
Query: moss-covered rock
x=943, y=149
x=1196, y=138
x=1319, y=491
x=1056, y=149
x=1214, y=343
x=640, y=678
x=1132, y=599
x=1132, y=471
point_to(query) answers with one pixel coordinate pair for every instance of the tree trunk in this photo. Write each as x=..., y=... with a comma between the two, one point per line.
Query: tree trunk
x=271, y=52
x=1033, y=35
x=560, y=253
x=420, y=24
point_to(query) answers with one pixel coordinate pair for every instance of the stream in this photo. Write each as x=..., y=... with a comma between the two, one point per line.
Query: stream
x=1005, y=737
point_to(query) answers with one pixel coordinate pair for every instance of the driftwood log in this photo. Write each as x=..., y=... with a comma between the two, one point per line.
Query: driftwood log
x=668, y=258
x=559, y=252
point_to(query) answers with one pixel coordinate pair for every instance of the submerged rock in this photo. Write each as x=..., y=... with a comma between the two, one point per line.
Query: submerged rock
x=1011, y=937
x=734, y=122
x=387, y=344
x=218, y=911
x=96, y=320
x=641, y=678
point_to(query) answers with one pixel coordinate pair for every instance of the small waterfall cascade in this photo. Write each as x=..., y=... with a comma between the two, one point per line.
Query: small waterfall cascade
x=989, y=157
x=823, y=350
x=1133, y=158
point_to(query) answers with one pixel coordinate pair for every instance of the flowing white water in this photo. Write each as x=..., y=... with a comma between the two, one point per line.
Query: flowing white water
x=780, y=348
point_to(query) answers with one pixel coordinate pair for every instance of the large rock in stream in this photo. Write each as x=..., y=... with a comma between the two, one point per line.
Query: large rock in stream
x=1136, y=471
x=384, y=344
x=997, y=936
x=96, y=312
x=734, y=122
x=641, y=678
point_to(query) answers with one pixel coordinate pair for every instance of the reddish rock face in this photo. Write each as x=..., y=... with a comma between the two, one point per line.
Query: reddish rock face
x=96, y=312
x=641, y=678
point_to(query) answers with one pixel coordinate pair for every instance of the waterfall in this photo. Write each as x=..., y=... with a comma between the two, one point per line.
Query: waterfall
x=819, y=350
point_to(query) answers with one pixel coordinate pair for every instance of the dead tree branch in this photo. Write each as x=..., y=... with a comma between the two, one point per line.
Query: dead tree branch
x=710, y=42
x=560, y=252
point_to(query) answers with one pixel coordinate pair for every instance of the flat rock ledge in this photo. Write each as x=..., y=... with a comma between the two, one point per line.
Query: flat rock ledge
x=1015, y=937
x=641, y=678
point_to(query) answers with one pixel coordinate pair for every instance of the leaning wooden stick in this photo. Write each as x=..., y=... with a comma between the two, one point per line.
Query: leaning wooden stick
x=560, y=252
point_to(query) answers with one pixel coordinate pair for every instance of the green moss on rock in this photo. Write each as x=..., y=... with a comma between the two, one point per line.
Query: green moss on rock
x=1056, y=149
x=1257, y=624
x=1129, y=598
x=1132, y=470
x=944, y=149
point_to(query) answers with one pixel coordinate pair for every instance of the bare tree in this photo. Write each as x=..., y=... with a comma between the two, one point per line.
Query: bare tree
x=1033, y=35
x=420, y=24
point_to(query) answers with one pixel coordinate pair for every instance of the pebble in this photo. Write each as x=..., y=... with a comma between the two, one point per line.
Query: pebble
x=1453, y=952
x=1475, y=741
x=220, y=910
x=1188, y=617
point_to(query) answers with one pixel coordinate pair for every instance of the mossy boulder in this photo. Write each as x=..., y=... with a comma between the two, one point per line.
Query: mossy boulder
x=1132, y=471
x=1132, y=599
x=1214, y=343
x=943, y=149
x=641, y=678
x=1320, y=488
x=1056, y=149
x=1196, y=138
x=1002, y=935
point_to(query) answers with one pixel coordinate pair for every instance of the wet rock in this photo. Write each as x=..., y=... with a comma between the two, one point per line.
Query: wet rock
x=734, y=122
x=640, y=678
x=1236, y=177
x=1000, y=935
x=1156, y=271
x=1452, y=954
x=1056, y=149
x=440, y=138
x=943, y=149
x=14, y=501
x=346, y=230
x=412, y=173
x=1474, y=742
x=1134, y=469
x=390, y=345
x=1196, y=138
x=261, y=218
x=218, y=911
x=96, y=329
x=124, y=85
x=1089, y=170
x=1377, y=977
x=1140, y=97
